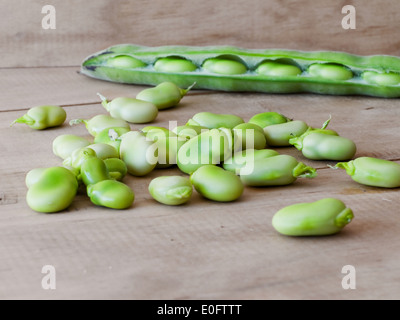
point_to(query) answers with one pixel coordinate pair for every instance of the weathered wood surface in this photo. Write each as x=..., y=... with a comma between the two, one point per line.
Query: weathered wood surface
x=85, y=27
x=203, y=250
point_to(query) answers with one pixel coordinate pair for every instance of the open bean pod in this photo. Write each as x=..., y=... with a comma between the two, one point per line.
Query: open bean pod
x=236, y=69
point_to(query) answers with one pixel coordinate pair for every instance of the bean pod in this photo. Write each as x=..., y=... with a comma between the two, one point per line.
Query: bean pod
x=238, y=69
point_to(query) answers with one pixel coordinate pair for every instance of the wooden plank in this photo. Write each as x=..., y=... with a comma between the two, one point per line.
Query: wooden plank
x=354, y=117
x=85, y=27
x=28, y=87
x=202, y=250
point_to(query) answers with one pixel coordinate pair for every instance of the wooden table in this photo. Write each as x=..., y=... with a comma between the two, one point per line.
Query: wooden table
x=202, y=250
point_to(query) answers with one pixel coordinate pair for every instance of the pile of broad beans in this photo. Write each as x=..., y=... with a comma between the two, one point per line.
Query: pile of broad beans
x=218, y=156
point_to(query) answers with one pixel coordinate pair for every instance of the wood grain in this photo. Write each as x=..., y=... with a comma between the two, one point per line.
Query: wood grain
x=202, y=250
x=84, y=28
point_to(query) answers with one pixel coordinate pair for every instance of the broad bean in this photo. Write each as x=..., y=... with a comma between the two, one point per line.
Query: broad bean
x=265, y=119
x=246, y=158
x=93, y=170
x=224, y=66
x=278, y=135
x=277, y=170
x=111, y=136
x=189, y=131
x=209, y=147
x=139, y=154
x=248, y=136
x=323, y=217
x=124, y=61
x=163, y=96
x=65, y=144
x=104, y=150
x=116, y=168
x=373, y=172
x=51, y=190
x=171, y=190
x=322, y=146
x=330, y=71
x=217, y=184
x=43, y=117
x=212, y=120
x=100, y=122
x=111, y=194
x=174, y=64
x=130, y=110
x=278, y=68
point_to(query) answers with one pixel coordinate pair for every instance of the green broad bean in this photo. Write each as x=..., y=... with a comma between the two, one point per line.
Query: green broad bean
x=330, y=71
x=78, y=156
x=154, y=133
x=124, y=61
x=248, y=136
x=65, y=144
x=174, y=64
x=139, y=154
x=94, y=170
x=43, y=117
x=212, y=120
x=209, y=147
x=171, y=190
x=99, y=123
x=167, y=142
x=323, y=217
x=217, y=184
x=373, y=172
x=224, y=66
x=246, y=158
x=265, y=119
x=278, y=135
x=167, y=149
x=262, y=70
x=104, y=150
x=76, y=172
x=322, y=146
x=297, y=142
x=189, y=131
x=33, y=176
x=278, y=69
x=111, y=194
x=116, y=168
x=51, y=190
x=277, y=170
x=130, y=109
x=381, y=78
x=163, y=96
x=111, y=136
